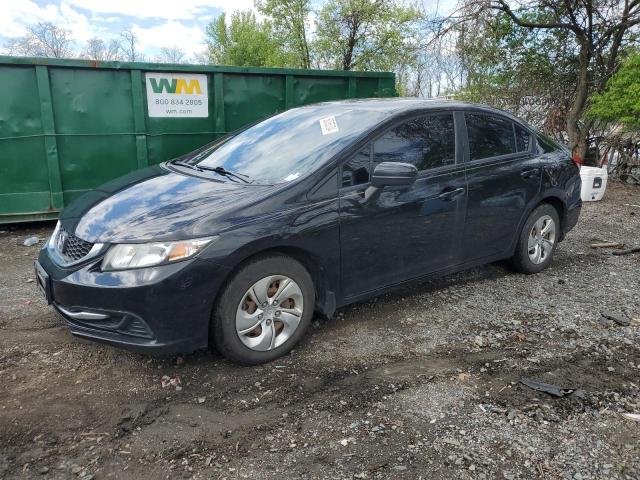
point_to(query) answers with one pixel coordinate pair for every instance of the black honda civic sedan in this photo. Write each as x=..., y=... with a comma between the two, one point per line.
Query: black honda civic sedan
x=237, y=244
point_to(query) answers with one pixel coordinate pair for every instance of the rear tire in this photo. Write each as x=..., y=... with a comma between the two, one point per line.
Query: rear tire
x=537, y=241
x=264, y=310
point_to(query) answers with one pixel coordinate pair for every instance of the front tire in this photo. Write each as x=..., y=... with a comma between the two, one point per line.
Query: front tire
x=537, y=241
x=264, y=310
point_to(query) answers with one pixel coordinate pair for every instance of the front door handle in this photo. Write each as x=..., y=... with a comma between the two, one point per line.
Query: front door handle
x=451, y=194
x=530, y=172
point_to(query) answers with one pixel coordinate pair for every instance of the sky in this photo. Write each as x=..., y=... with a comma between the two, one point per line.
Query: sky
x=157, y=23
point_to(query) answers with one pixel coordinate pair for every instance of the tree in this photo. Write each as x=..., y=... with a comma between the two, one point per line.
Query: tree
x=95, y=49
x=245, y=42
x=128, y=46
x=620, y=102
x=366, y=34
x=43, y=40
x=594, y=32
x=173, y=54
x=290, y=20
x=529, y=73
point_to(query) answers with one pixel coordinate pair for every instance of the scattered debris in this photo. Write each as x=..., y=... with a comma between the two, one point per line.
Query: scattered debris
x=167, y=381
x=607, y=245
x=552, y=390
x=346, y=441
x=627, y=251
x=632, y=416
x=480, y=341
x=376, y=467
x=31, y=241
x=619, y=318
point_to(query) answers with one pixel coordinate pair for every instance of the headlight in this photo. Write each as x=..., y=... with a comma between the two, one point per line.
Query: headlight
x=52, y=238
x=136, y=255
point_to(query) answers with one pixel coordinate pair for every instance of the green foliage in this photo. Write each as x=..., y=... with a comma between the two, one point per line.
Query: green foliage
x=244, y=42
x=290, y=20
x=620, y=102
x=526, y=71
x=366, y=34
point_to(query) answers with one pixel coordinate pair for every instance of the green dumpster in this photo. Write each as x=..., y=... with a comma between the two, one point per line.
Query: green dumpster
x=66, y=126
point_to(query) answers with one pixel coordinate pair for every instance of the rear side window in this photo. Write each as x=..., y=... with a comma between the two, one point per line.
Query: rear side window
x=425, y=142
x=356, y=170
x=523, y=139
x=489, y=136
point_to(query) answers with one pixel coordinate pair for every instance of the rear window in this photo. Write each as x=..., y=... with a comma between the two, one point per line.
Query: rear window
x=489, y=136
x=546, y=145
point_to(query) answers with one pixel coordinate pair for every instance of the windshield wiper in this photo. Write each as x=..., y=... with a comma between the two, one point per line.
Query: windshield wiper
x=219, y=170
x=180, y=163
x=224, y=172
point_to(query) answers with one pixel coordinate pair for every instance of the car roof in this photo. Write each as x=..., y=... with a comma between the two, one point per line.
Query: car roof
x=399, y=105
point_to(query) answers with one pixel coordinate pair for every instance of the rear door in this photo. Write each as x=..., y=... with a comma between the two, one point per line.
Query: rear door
x=503, y=176
x=393, y=234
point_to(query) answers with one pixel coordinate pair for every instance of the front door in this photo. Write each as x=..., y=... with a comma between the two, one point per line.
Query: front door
x=393, y=234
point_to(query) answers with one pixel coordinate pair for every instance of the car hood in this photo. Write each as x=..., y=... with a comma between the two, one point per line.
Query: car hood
x=157, y=204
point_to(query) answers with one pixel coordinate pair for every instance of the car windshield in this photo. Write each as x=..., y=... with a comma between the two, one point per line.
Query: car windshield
x=289, y=145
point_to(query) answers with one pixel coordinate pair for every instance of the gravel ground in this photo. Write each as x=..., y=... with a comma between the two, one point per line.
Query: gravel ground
x=422, y=383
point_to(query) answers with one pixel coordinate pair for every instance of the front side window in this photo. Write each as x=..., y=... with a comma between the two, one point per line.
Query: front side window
x=425, y=142
x=489, y=136
x=356, y=170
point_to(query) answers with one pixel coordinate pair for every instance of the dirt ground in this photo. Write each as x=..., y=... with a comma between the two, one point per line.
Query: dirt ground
x=422, y=383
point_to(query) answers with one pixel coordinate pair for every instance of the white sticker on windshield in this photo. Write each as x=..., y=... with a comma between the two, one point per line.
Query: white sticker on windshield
x=292, y=177
x=328, y=125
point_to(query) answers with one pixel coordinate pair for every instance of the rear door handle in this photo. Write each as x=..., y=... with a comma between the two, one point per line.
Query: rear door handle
x=530, y=172
x=449, y=195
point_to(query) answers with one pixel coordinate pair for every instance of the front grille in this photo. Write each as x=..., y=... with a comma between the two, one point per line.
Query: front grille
x=70, y=247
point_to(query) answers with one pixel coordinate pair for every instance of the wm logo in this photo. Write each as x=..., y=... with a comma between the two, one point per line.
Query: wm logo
x=176, y=85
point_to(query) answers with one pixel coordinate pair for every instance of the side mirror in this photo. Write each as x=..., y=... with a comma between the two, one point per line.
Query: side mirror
x=388, y=174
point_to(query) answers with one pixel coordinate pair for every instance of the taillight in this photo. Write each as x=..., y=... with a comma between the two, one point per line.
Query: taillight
x=577, y=159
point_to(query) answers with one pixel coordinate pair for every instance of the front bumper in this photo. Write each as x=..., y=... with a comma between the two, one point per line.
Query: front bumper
x=158, y=310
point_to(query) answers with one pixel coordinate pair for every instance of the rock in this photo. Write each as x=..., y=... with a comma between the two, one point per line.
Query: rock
x=31, y=241
x=399, y=468
x=480, y=341
x=43, y=470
